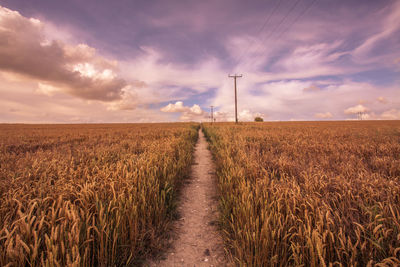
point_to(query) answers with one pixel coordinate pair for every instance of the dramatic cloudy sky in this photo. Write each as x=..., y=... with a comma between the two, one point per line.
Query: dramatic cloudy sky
x=169, y=60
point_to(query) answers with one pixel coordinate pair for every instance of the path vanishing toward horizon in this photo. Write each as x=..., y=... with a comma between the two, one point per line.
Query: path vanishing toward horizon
x=196, y=238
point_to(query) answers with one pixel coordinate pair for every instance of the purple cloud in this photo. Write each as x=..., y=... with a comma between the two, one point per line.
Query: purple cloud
x=312, y=63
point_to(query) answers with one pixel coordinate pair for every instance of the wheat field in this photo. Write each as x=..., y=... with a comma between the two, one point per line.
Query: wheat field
x=309, y=193
x=291, y=193
x=89, y=195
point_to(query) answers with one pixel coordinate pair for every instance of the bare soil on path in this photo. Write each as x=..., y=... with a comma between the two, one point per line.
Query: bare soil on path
x=196, y=240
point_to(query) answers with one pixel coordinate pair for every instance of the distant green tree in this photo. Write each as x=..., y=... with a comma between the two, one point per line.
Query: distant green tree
x=258, y=119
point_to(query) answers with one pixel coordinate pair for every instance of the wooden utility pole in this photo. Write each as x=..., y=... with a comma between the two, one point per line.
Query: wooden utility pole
x=234, y=77
x=212, y=114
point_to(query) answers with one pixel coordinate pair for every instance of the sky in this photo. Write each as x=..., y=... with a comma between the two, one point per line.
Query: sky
x=98, y=61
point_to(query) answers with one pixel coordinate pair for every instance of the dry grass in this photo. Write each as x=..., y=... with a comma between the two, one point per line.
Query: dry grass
x=88, y=195
x=309, y=194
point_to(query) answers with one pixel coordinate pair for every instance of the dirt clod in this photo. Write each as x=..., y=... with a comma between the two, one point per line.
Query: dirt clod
x=207, y=252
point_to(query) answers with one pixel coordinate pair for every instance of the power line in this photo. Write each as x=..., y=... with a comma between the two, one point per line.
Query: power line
x=260, y=30
x=297, y=18
x=278, y=25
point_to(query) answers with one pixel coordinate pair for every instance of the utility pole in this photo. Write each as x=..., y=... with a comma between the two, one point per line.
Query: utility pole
x=234, y=77
x=360, y=116
x=212, y=114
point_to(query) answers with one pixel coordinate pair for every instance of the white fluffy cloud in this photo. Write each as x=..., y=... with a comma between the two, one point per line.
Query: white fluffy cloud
x=194, y=113
x=392, y=114
x=247, y=115
x=177, y=107
x=325, y=115
x=356, y=109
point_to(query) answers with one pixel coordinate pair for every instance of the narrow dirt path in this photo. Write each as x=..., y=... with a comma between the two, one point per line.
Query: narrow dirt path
x=197, y=242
